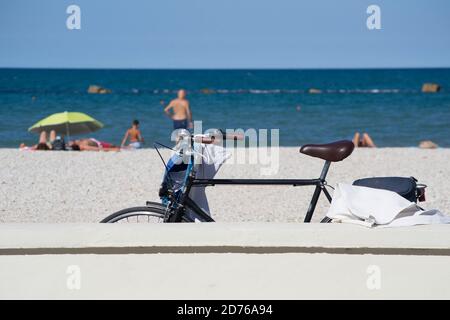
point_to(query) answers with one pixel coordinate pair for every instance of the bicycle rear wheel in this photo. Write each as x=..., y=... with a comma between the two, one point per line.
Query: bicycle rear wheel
x=152, y=213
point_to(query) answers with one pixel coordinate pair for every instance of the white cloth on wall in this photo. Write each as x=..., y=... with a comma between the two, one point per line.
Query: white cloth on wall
x=375, y=207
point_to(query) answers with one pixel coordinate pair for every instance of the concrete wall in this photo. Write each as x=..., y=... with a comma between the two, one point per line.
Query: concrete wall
x=223, y=261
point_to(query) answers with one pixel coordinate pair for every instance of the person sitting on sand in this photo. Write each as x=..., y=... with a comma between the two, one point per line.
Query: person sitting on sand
x=135, y=136
x=181, y=112
x=365, y=141
x=46, y=143
x=92, y=144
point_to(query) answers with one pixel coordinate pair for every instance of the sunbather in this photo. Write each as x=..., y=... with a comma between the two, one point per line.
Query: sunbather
x=92, y=144
x=365, y=141
x=46, y=143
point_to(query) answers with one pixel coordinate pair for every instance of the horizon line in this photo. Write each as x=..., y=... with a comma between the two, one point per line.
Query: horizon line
x=222, y=69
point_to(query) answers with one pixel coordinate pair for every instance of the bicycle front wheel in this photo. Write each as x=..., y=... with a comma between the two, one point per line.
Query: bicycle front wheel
x=152, y=213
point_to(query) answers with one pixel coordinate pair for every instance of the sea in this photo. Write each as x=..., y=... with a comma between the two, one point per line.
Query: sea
x=388, y=104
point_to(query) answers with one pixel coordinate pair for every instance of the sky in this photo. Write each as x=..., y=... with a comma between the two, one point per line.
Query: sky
x=216, y=34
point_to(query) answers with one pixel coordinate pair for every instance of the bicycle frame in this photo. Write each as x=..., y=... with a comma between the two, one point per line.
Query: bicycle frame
x=187, y=203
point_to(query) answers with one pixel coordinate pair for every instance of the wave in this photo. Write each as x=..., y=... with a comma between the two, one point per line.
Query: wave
x=301, y=91
x=137, y=91
x=373, y=91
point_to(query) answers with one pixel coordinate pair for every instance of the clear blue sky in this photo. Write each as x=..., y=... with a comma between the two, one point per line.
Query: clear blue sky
x=224, y=34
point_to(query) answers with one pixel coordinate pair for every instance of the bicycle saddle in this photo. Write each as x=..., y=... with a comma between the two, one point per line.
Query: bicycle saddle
x=335, y=151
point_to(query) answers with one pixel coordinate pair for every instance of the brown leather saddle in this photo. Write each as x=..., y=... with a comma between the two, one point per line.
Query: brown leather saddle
x=335, y=151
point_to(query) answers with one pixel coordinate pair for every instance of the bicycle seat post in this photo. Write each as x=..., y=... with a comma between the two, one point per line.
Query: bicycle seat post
x=317, y=191
x=325, y=169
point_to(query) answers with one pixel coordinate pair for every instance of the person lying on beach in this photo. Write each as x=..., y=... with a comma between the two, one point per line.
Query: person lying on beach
x=46, y=143
x=366, y=141
x=135, y=136
x=92, y=144
x=179, y=111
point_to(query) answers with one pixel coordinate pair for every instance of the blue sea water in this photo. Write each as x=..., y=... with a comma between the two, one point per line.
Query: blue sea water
x=388, y=104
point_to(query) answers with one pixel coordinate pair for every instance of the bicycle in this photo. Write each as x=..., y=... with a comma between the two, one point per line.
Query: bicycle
x=178, y=203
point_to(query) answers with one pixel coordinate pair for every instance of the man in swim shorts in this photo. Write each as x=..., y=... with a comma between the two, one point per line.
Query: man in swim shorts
x=135, y=136
x=179, y=111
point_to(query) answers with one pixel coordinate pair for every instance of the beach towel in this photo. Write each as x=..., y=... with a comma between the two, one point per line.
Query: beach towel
x=210, y=158
x=379, y=208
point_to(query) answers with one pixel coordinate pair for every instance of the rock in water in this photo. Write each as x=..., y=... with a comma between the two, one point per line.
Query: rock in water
x=314, y=91
x=207, y=91
x=431, y=87
x=94, y=89
x=428, y=144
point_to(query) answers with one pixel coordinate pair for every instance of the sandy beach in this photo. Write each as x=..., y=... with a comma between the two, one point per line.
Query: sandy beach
x=87, y=186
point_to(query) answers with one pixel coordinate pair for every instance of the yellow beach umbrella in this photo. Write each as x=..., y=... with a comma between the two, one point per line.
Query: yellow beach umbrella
x=68, y=123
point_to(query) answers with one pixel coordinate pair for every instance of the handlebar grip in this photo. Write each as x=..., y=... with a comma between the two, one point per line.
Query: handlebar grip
x=235, y=137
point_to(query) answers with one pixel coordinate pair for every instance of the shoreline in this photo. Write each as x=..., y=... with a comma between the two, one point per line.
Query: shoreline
x=281, y=147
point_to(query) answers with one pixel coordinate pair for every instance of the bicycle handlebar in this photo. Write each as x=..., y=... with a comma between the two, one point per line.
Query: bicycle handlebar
x=212, y=138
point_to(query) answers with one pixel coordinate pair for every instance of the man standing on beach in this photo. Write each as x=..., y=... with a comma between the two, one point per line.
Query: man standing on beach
x=181, y=112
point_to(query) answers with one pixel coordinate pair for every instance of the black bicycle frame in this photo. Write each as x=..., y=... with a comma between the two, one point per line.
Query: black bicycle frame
x=320, y=184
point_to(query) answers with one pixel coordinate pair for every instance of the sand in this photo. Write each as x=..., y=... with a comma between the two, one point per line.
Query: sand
x=53, y=187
